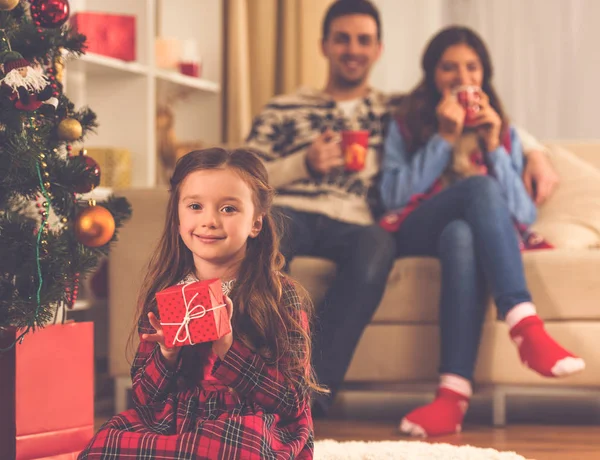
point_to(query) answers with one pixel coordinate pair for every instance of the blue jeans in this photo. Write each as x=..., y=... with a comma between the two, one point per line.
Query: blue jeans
x=469, y=228
x=364, y=256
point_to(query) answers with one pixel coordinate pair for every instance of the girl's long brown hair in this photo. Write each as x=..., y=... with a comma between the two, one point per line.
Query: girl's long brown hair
x=261, y=319
x=418, y=109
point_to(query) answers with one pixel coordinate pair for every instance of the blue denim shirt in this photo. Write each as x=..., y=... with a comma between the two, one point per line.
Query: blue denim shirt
x=405, y=175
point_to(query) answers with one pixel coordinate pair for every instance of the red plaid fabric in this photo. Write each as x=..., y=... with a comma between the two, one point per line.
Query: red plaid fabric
x=240, y=408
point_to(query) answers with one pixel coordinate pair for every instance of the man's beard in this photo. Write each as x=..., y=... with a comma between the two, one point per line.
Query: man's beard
x=346, y=83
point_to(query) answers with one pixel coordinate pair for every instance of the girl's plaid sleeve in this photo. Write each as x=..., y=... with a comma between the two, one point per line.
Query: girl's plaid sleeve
x=252, y=377
x=152, y=379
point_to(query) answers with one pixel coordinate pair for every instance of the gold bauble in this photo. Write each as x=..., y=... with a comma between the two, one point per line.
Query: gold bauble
x=69, y=129
x=7, y=5
x=59, y=66
x=94, y=227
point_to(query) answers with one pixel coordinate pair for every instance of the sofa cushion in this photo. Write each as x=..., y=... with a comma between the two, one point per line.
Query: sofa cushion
x=563, y=284
x=587, y=151
x=570, y=219
x=411, y=293
x=410, y=353
x=127, y=267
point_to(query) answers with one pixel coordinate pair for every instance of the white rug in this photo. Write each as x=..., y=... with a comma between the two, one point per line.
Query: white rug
x=405, y=450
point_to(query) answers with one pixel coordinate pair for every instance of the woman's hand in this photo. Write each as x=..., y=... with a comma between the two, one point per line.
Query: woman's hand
x=540, y=177
x=451, y=117
x=488, y=123
x=170, y=353
x=221, y=346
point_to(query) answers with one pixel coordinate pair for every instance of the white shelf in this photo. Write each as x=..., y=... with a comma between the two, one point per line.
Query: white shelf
x=176, y=78
x=126, y=95
x=80, y=304
x=98, y=193
x=96, y=64
x=101, y=65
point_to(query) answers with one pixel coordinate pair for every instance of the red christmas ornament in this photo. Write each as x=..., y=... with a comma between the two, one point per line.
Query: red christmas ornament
x=50, y=13
x=72, y=294
x=87, y=185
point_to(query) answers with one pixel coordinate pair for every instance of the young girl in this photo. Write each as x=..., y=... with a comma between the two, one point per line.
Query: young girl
x=245, y=395
x=469, y=225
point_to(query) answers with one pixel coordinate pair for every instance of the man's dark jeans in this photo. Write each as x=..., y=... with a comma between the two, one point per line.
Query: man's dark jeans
x=364, y=256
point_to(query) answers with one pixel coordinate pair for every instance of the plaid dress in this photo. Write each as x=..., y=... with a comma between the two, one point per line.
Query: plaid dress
x=240, y=407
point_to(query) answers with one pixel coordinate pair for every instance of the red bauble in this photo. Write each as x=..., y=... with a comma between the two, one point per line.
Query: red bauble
x=50, y=13
x=87, y=184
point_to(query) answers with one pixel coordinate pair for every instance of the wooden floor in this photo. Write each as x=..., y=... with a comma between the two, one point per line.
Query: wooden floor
x=537, y=442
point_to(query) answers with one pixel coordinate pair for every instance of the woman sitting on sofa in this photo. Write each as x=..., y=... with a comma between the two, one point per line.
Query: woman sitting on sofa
x=452, y=183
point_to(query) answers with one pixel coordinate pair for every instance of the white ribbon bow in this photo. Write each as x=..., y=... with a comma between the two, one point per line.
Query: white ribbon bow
x=189, y=316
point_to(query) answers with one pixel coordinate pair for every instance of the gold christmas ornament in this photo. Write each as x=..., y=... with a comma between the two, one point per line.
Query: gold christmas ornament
x=69, y=129
x=95, y=226
x=59, y=66
x=7, y=5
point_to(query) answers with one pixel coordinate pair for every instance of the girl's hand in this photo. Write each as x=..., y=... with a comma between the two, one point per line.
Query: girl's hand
x=170, y=353
x=221, y=346
x=488, y=123
x=451, y=117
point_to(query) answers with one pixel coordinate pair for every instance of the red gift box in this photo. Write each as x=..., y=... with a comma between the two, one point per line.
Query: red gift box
x=47, y=397
x=111, y=35
x=193, y=313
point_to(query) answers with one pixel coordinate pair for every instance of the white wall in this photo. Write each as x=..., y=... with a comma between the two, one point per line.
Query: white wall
x=545, y=53
x=547, y=64
x=406, y=26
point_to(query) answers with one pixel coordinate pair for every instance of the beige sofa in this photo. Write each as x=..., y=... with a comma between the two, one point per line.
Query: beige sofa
x=401, y=344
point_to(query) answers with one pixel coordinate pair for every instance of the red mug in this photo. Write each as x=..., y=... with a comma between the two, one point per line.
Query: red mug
x=468, y=97
x=354, y=148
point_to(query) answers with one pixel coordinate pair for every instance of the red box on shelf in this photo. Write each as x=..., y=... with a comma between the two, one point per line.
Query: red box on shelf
x=47, y=397
x=111, y=35
x=193, y=313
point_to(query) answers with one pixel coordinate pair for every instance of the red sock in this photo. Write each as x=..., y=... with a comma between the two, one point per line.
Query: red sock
x=541, y=352
x=443, y=416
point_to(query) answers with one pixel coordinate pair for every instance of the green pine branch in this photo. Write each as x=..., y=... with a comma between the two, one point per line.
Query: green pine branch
x=39, y=46
x=34, y=163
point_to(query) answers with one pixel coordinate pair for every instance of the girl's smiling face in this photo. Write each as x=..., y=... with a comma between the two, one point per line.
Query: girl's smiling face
x=217, y=215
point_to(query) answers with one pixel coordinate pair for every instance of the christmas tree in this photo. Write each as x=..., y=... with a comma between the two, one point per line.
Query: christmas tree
x=50, y=235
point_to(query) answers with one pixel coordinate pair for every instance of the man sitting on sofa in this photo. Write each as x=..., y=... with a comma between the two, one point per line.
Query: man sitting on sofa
x=328, y=209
